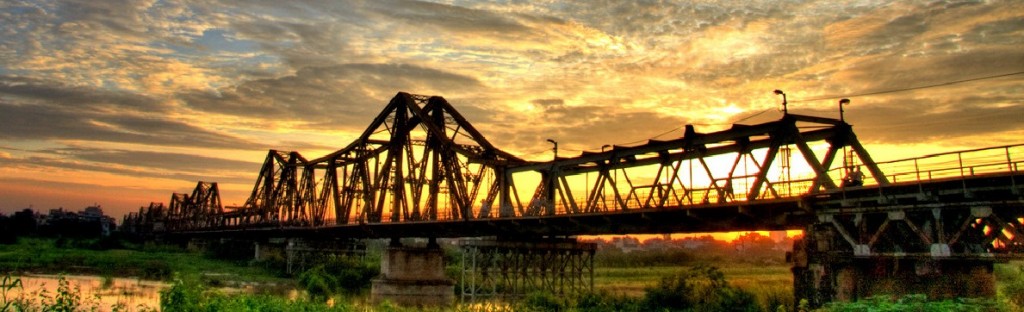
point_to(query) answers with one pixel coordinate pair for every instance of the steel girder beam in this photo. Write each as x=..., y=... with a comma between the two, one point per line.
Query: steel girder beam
x=754, y=148
x=201, y=209
x=277, y=196
x=978, y=217
x=421, y=160
x=147, y=221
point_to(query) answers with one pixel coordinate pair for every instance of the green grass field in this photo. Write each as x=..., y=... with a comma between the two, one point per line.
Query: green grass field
x=633, y=281
x=772, y=285
x=31, y=255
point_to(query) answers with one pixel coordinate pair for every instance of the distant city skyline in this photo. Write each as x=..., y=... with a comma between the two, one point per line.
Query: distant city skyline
x=120, y=103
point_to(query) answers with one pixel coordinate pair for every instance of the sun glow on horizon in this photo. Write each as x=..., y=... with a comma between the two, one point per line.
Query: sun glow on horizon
x=722, y=236
x=121, y=100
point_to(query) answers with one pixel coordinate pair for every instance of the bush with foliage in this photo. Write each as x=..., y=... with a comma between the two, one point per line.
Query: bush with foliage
x=700, y=288
x=182, y=296
x=318, y=282
x=338, y=276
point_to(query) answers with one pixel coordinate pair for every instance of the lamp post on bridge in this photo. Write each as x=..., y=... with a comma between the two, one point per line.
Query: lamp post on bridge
x=785, y=108
x=603, y=147
x=554, y=149
x=841, y=103
x=846, y=157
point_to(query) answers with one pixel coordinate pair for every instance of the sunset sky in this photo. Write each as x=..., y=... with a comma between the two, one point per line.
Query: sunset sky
x=120, y=103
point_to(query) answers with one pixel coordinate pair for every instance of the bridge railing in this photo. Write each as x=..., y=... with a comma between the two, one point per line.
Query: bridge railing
x=951, y=165
x=680, y=197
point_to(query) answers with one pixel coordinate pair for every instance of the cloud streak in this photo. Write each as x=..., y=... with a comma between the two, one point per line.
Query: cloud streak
x=127, y=88
x=46, y=110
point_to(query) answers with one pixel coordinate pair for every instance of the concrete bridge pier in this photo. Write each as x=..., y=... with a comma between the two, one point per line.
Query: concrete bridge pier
x=413, y=276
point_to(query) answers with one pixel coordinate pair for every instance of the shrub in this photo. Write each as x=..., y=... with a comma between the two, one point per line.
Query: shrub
x=353, y=276
x=543, y=301
x=318, y=283
x=338, y=276
x=700, y=288
x=182, y=296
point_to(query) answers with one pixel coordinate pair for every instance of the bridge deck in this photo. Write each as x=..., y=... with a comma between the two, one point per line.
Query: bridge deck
x=999, y=189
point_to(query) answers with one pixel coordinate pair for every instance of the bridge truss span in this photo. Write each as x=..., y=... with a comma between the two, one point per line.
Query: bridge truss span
x=421, y=161
x=744, y=164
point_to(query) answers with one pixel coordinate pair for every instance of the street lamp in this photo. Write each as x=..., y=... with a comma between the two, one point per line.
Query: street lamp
x=603, y=147
x=554, y=149
x=841, y=103
x=785, y=109
x=846, y=164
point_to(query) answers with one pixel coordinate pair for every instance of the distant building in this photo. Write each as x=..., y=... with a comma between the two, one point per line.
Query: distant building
x=626, y=243
x=86, y=223
x=95, y=214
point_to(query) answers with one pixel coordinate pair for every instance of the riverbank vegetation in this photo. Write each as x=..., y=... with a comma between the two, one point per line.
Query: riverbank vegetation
x=695, y=289
x=666, y=283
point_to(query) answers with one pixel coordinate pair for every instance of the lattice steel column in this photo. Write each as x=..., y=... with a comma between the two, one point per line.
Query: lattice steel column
x=512, y=269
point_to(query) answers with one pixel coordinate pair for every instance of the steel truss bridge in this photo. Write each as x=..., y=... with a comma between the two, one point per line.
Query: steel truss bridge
x=420, y=169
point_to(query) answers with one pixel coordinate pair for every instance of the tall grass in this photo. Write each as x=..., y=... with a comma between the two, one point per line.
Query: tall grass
x=66, y=298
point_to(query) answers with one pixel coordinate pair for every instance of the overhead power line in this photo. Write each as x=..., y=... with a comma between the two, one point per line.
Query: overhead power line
x=833, y=97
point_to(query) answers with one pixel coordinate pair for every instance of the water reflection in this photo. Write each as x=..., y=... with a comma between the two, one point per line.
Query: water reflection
x=105, y=293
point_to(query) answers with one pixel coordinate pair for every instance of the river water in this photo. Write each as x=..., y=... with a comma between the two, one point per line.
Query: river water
x=124, y=294
x=103, y=293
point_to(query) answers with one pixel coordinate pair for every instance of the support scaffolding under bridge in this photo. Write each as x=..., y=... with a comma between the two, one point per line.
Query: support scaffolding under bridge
x=512, y=269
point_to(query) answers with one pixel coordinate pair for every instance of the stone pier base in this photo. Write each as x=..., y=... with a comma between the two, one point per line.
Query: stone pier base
x=822, y=278
x=937, y=279
x=413, y=277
